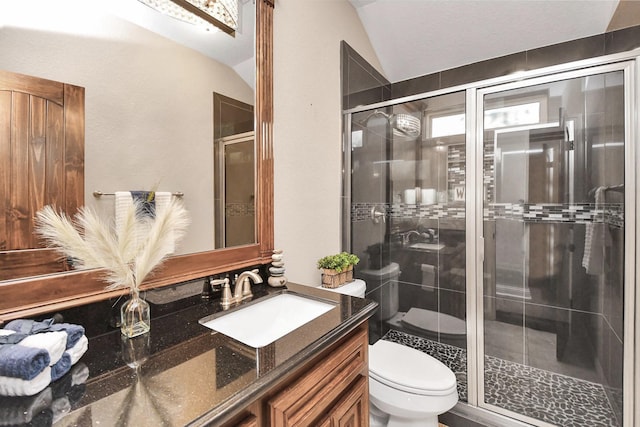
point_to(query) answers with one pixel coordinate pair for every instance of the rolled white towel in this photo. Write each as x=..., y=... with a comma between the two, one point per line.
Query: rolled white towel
x=10, y=386
x=54, y=343
x=78, y=350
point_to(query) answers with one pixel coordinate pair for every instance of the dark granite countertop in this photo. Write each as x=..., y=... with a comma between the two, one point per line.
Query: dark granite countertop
x=181, y=373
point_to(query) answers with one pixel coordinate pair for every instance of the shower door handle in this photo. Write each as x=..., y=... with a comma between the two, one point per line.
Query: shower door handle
x=377, y=214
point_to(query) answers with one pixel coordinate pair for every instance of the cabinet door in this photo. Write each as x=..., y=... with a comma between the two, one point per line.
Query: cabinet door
x=352, y=408
x=316, y=392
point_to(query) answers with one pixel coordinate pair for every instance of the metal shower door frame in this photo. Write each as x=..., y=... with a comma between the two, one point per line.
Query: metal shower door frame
x=475, y=248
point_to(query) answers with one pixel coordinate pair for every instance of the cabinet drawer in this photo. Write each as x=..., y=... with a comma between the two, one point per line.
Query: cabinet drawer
x=313, y=394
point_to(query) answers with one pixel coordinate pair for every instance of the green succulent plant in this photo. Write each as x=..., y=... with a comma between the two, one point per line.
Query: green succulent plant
x=338, y=262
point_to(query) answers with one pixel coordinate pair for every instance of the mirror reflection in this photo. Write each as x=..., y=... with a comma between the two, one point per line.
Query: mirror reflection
x=149, y=83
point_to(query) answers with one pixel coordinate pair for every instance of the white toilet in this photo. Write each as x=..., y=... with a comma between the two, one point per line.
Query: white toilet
x=406, y=386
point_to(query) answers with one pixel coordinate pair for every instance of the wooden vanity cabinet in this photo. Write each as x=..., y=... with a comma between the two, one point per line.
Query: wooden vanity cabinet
x=330, y=390
x=335, y=387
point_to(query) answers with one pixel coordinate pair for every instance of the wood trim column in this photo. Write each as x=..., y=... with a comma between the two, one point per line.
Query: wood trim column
x=264, y=125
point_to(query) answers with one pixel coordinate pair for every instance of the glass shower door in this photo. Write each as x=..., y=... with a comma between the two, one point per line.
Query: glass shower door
x=553, y=227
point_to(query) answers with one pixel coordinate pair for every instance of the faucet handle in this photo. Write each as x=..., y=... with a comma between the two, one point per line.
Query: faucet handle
x=218, y=282
x=226, y=299
x=207, y=291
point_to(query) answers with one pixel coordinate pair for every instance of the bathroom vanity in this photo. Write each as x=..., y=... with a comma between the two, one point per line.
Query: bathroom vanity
x=183, y=373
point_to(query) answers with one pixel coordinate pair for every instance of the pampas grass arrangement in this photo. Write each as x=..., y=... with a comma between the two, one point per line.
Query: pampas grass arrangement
x=127, y=255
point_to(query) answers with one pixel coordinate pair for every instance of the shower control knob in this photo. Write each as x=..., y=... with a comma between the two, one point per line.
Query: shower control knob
x=377, y=214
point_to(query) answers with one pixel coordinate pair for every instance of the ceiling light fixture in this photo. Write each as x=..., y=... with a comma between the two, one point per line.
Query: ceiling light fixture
x=210, y=14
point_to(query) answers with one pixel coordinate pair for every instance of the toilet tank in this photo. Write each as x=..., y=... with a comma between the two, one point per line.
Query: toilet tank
x=382, y=287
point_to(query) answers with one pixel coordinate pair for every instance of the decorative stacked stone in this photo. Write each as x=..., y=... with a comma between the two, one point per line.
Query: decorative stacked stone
x=276, y=271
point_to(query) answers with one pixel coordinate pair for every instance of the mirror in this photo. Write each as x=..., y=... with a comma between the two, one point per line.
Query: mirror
x=163, y=112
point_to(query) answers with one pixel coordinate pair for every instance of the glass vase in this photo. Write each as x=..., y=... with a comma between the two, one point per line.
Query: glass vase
x=134, y=317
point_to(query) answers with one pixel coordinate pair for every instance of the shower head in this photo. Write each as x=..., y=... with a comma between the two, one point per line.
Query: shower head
x=404, y=125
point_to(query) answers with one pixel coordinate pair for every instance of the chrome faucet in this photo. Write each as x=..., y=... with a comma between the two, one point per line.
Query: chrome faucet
x=407, y=235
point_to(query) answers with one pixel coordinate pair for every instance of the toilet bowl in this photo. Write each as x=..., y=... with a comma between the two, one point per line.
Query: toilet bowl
x=407, y=388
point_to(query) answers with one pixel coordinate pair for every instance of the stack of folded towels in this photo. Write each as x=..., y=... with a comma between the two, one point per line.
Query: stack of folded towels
x=34, y=354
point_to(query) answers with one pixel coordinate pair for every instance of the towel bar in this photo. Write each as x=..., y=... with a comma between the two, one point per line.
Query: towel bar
x=97, y=194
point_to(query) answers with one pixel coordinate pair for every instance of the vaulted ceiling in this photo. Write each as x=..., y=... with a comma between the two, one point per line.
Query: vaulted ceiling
x=418, y=37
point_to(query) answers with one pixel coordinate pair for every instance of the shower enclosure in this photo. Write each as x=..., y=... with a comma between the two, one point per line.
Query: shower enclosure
x=497, y=236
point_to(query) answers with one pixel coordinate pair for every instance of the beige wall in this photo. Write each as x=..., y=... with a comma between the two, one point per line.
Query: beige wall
x=308, y=127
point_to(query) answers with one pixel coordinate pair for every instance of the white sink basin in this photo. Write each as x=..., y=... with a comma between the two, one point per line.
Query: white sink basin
x=264, y=322
x=428, y=246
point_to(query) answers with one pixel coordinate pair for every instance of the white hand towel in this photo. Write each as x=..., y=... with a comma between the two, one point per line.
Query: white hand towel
x=596, y=238
x=10, y=386
x=428, y=276
x=78, y=350
x=123, y=201
x=163, y=199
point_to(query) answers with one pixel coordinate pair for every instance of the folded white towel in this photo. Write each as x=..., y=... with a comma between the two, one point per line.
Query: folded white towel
x=10, y=386
x=54, y=343
x=78, y=350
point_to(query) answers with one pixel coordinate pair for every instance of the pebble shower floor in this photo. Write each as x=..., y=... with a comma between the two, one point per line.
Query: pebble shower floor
x=536, y=393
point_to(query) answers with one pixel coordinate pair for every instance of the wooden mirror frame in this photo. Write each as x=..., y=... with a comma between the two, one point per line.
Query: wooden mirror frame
x=34, y=295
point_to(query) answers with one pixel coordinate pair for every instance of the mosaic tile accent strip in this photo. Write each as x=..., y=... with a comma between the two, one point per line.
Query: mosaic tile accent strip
x=362, y=211
x=239, y=209
x=438, y=211
x=578, y=213
x=547, y=396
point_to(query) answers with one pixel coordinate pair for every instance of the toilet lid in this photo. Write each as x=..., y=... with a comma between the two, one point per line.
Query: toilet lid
x=433, y=321
x=408, y=369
